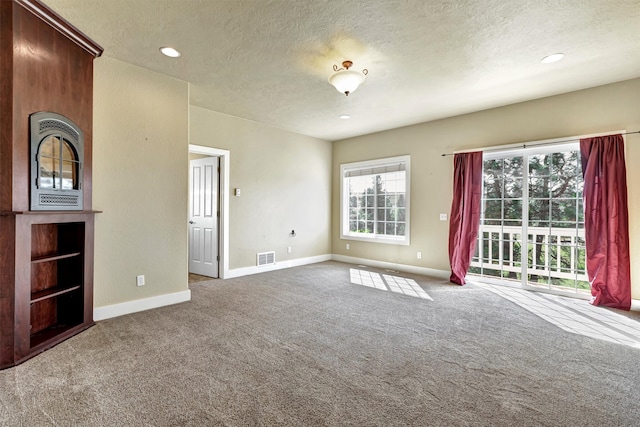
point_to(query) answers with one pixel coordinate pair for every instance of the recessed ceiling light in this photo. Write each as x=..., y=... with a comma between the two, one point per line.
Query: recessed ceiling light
x=170, y=52
x=345, y=116
x=552, y=58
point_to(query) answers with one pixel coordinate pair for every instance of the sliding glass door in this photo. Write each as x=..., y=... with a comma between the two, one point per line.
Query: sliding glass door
x=532, y=225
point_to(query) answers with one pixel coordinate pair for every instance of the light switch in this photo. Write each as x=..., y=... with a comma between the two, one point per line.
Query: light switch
x=237, y=192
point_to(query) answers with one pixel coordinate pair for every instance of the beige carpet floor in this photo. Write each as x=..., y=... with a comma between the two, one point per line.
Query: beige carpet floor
x=307, y=347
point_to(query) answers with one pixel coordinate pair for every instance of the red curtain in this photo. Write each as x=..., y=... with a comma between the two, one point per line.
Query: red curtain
x=606, y=220
x=465, y=213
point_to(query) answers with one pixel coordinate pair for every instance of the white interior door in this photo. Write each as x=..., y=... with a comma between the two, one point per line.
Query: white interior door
x=203, y=216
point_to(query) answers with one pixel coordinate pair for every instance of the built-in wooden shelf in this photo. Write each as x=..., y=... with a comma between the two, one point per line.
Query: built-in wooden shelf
x=49, y=334
x=51, y=292
x=54, y=257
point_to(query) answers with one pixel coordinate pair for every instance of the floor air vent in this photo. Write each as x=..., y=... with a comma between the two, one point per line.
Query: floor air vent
x=266, y=258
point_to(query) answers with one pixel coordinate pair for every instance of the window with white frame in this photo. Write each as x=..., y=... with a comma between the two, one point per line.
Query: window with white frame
x=375, y=200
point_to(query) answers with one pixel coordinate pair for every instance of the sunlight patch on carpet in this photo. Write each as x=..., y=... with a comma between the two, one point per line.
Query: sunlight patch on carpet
x=574, y=315
x=387, y=282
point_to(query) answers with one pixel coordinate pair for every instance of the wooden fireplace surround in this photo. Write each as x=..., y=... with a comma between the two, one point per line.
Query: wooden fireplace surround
x=46, y=258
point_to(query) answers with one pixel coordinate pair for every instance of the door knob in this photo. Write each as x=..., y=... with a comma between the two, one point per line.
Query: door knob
x=191, y=222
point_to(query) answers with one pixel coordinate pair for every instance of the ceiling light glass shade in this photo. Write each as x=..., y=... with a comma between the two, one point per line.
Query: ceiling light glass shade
x=346, y=81
x=170, y=52
x=552, y=58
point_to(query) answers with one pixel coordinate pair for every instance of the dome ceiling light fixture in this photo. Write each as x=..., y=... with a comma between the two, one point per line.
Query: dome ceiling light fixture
x=345, y=80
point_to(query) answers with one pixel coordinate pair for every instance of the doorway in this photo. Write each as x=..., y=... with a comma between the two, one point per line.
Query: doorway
x=204, y=211
x=532, y=223
x=208, y=211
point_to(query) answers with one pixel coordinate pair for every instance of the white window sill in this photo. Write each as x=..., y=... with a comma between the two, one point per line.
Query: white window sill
x=403, y=241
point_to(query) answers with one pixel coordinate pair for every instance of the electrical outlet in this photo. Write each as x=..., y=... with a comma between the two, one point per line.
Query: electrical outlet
x=443, y=217
x=140, y=280
x=419, y=255
x=288, y=249
x=347, y=246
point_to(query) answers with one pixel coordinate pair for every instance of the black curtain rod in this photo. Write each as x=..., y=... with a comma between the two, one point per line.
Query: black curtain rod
x=536, y=145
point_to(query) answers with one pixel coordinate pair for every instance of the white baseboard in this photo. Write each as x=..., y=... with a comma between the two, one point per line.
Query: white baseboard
x=279, y=265
x=440, y=274
x=115, y=310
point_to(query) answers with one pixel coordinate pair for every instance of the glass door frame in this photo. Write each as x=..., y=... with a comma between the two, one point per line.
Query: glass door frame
x=525, y=243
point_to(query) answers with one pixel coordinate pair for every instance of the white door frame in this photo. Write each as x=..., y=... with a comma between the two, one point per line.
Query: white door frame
x=225, y=161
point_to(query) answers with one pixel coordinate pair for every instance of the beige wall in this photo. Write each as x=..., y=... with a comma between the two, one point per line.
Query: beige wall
x=139, y=182
x=194, y=156
x=285, y=180
x=610, y=107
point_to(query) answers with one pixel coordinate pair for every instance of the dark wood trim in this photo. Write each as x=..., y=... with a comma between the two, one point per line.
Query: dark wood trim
x=46, y=257
x=6, y=103
x=22, y=315
x=43, y=12
x=7, y=289
x=89, y=234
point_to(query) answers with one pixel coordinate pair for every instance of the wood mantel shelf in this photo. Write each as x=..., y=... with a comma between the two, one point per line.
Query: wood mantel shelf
x=13, y=213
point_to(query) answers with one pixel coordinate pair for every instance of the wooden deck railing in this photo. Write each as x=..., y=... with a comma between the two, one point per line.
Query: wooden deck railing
x=552, y=252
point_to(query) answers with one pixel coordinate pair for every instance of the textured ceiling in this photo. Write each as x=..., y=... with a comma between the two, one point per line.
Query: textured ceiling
x=269, y=60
